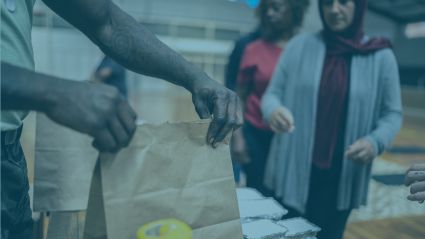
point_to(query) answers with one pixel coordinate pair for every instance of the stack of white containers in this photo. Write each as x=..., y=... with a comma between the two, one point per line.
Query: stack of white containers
x=261, y=218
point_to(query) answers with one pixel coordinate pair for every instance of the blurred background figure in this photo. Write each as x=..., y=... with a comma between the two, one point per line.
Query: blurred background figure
x=239, y=155
x=280, y=20
x=111, y=73
x=232, y=68
x=339, y=89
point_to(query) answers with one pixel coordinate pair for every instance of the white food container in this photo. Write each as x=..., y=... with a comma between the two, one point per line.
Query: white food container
x=268, y=208
x=263, y=229
x=248, y=194
x=299, y=228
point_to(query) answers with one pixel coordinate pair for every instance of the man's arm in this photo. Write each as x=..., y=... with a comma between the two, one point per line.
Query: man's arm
x=22, y=89
x=124, y=39
x=94, y=109
x=133, y=46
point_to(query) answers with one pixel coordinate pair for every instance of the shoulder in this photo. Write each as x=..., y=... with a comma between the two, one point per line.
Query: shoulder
x=382, y=55
x=385, y=55
x=382, y=58
x=255, y=45
x=304, y=38
x=387, y=62
x=245, y=40
x=300, y=47
x=254, y=50
x=304, y=41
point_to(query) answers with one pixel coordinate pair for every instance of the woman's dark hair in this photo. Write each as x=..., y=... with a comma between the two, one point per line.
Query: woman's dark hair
x=296, y=7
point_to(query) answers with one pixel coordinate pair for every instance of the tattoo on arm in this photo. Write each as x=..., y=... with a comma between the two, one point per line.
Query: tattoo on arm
x=128, y=42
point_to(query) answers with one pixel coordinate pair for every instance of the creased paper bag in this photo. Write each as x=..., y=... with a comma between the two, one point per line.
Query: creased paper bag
x=64, y=163
x=168, y=171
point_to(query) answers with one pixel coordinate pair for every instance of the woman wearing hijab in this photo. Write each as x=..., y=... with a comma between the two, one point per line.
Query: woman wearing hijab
x=280, y=21
x=334, y=102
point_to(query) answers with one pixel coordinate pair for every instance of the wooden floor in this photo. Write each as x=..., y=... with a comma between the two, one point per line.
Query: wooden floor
x=411, y=135
x=399, y=228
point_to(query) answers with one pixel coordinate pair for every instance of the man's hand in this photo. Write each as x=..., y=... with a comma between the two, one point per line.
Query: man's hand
x=96, y=109
x=361, y=151
x=281, y=120
x=415, y=179
x=212, y=99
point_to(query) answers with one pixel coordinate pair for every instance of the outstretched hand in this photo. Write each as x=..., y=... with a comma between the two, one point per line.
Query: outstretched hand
x=214, y=100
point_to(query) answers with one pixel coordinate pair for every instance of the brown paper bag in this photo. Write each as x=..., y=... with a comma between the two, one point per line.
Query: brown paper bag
x=168, y=171
x=64, y=162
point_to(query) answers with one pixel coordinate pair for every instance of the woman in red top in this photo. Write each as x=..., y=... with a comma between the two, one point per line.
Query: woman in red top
x=280, y=20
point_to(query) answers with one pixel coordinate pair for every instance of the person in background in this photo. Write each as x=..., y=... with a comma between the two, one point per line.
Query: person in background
x=230, y=79
x=334, y=103
x=280, y=21
x=234, y=61
x=111, y=73
x=97, y=110
x=415, y=179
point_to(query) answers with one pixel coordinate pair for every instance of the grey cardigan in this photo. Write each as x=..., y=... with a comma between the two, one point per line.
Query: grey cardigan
x=374, y=113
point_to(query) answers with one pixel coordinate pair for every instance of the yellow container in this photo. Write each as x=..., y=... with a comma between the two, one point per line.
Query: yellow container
x=165, y=229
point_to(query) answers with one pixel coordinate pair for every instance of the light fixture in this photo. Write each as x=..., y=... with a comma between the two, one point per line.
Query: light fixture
x=415, y=30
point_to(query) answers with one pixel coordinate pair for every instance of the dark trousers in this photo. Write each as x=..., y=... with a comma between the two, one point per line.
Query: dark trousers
x=258, y=145
x=321, y=206
x=16, y=216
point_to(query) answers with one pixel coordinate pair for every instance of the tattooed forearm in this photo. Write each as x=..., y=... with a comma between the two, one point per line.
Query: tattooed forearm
x=123, y=38
x=139, y=50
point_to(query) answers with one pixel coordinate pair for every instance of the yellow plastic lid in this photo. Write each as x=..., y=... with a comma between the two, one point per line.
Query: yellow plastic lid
x=165, y=229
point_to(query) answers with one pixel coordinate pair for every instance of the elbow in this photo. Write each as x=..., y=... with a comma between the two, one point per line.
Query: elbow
x=100, y=27
x=388, y=128
x=102, y=18
x=397, y=119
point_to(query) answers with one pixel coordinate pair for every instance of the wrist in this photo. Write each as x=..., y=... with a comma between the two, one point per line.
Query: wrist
x=52, y=93
x=199, y=81
x=373, y=145
x=45, y=97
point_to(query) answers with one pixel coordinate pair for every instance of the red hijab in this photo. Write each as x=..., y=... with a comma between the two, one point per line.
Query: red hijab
x=334, y=85
x=350, y=40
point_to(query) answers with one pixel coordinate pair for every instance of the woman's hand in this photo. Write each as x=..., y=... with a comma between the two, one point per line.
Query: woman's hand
x=361, y=151
x=281, y=120
x=415, y=179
